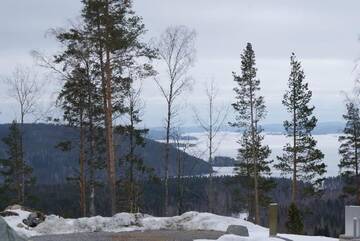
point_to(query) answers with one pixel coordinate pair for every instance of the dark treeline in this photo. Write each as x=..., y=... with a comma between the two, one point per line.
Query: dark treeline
x=228, y=195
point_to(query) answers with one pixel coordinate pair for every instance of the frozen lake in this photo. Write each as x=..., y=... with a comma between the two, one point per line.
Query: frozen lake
x=227, y=145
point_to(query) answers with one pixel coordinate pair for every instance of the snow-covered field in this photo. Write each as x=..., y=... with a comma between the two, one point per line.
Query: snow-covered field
x=227, y=145
x=123, y=222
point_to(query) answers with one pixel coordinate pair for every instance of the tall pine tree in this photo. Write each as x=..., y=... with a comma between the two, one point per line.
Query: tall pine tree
x=250, y=109
x=301, y=158
x=350, y=150
x=114, y=33
x=81, y=102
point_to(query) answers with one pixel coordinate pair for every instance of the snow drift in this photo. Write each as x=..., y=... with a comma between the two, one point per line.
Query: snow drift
x=123, y=222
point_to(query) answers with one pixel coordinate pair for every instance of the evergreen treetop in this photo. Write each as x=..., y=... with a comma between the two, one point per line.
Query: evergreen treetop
x=249, y=105
x=350, y=141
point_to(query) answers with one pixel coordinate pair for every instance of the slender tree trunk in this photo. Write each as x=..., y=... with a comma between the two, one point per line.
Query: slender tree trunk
x=249, y=194
x=294, y=181
x=82, y=168
x=211, y=189
x=180, y=184
x=357, y=166
x=167, y=150
x=22, y=162
x=132, y=184
x=106, y=77
x=92, y=209
x=167, y=146
x=108, y=132
x=179, y=211
x=254, y=157
x=18, y=172
x=181, y=204
x=110, y=154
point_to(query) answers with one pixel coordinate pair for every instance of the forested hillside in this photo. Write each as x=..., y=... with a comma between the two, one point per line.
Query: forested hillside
x=53, y=166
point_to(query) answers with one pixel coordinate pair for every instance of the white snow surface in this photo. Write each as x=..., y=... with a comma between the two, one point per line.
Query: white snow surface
x=123, y=222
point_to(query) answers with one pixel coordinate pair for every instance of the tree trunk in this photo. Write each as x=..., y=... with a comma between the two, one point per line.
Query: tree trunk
x=294, y=181
x=166, y=177
x=110, y=154
x=357, y=167
x=82, y=168
x=211, y=189
x=92, y=208
x=254, y=157
x=179, y=211
x=22, y=162
x=132, y=181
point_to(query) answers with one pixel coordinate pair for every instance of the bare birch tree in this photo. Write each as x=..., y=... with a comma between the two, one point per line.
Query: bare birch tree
x=24, y=88
x=212, y=126
x=176, y=49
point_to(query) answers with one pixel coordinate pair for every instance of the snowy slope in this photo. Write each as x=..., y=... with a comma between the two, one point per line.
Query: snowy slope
x=122, y=222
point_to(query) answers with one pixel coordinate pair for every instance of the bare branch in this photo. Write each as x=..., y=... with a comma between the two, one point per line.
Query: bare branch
x=25, y=89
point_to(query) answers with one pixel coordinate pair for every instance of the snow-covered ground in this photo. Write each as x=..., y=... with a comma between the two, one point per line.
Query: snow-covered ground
x=129, y=222
x=227, y=145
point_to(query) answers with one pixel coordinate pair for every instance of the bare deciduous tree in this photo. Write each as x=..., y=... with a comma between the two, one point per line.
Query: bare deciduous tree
x=24, y=88
x=176, y=49
x=215, y=120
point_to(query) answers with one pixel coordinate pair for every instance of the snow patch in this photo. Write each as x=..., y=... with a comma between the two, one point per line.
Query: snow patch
x=122, y=222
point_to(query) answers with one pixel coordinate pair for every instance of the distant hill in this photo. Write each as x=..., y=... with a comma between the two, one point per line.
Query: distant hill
x=331, y=127
x=52, y=166
x=158, y=133
x=223, y=161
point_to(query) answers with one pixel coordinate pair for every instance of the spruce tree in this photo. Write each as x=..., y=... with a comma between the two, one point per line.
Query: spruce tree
x=301, y=158
x=294, y=224
x=250, y=109
x=13, y=170
x=349, y=150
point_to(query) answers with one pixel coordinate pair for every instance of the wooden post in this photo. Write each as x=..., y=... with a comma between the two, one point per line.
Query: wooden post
x=355, y=234
x=273, y=219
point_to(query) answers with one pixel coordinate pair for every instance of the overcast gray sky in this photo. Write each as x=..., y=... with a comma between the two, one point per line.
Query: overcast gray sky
x=324, y=35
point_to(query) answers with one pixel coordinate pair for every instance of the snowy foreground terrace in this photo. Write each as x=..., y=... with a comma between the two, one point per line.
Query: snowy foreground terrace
x=123, y=222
